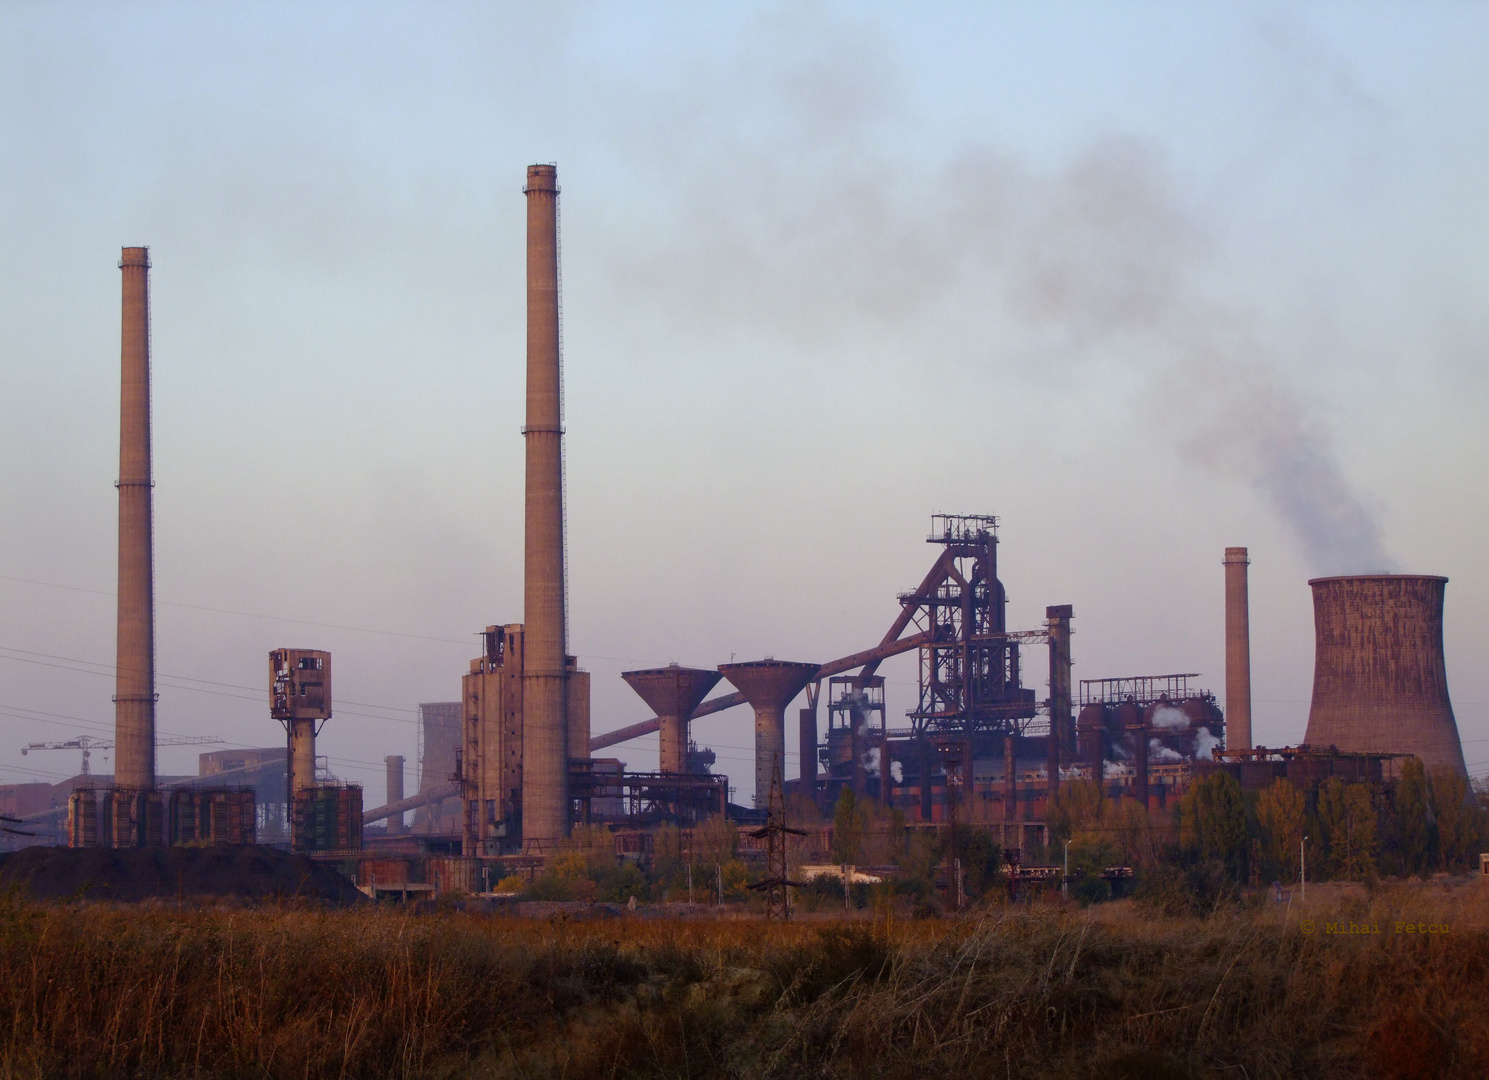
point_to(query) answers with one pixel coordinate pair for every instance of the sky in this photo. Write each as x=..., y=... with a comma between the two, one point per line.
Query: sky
x=1143, y=280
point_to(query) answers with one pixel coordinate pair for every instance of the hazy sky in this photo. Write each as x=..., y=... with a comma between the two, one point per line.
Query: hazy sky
x=1143, y=280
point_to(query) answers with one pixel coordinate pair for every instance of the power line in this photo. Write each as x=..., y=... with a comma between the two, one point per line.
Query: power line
x=305, y=622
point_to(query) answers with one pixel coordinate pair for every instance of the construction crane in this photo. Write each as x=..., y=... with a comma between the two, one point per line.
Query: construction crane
x=87, y=744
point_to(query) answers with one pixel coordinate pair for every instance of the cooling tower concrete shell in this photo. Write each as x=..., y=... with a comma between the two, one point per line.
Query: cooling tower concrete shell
x=1380, y=683
x=769, y=686
x=134, y=682
x=545, y=765
x=673, y=692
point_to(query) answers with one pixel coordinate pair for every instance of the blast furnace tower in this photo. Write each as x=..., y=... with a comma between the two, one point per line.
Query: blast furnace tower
x=1380, y=683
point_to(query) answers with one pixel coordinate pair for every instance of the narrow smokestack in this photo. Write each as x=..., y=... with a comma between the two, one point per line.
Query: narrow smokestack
x=1237, y=651
x=134, y=684
x=545, y=765
x=395, y=792
x=1057, y=620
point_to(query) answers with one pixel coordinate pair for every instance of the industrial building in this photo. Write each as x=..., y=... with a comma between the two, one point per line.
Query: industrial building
x=507, y=770
x=979, y=742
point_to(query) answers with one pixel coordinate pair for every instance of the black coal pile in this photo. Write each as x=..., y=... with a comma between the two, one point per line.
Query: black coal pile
x=245, y=872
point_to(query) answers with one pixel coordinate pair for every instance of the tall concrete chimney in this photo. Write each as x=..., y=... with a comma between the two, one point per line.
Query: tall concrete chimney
x=134, y=681
x=545, y=764
x=1237, y=651
x=1380, y=681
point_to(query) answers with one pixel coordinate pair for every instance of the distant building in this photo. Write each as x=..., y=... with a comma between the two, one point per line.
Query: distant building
x=439, y=736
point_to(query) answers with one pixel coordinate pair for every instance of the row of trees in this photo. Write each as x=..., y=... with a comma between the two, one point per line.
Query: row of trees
x=1349, y=831
x=1428, y=821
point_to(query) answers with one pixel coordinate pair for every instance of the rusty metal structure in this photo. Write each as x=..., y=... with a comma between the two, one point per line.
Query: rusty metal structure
x=1380, y=681
x=606, y=795
x=546, y=811
x=327, y=818
x=323, y=816
x=1305, y=767
x=206, y=815
x=970, y=691
x=1237, y=650
x=769, y=686
x=300, y=699
x=969, y=664
x=1139, y=735
x=134, y=686
x=776, y=885
x=856, y=731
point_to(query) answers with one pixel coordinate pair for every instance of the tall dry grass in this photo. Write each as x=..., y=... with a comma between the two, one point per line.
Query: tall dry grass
x=1044, y=992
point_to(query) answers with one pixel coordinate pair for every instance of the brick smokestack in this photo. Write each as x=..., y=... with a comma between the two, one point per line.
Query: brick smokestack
x=134, y=685
x=1380, y=681
x=1237, y=651
x=545, y=764
x=394, y=763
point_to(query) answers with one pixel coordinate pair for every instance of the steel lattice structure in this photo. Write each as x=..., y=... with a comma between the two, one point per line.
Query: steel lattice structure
x=969, y=664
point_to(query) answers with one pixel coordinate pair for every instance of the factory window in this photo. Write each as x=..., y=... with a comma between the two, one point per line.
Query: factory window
x=310, y=663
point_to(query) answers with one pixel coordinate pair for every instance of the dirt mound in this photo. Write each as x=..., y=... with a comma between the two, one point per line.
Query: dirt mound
x=243, y=871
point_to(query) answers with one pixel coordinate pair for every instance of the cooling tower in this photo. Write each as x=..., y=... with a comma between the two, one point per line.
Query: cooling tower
x=1379, y=680
x=545, y=764
x=134, y=682
x=1237, y=651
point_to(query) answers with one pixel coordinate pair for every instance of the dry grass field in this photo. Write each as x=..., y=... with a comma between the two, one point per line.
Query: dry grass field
x=1110, y=991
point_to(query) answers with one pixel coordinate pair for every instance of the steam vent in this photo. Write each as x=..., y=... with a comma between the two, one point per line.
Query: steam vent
x=1380, y=683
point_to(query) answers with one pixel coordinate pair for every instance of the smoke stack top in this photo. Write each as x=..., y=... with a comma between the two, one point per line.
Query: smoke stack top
x=134, y=682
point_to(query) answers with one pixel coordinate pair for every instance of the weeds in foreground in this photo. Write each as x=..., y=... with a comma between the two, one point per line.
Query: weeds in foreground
x=94, y=990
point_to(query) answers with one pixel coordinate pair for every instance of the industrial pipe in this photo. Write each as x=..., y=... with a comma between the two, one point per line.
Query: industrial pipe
x=437, y=794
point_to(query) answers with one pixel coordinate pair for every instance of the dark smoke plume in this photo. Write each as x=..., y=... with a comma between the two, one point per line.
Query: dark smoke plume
x=809, y=229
